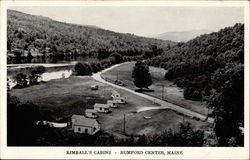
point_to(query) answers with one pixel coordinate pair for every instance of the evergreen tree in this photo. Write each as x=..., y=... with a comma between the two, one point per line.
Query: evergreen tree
x=141, y=75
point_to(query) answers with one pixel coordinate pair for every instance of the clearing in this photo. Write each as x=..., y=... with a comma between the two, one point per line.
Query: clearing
x=163, y=89
x=59, y=99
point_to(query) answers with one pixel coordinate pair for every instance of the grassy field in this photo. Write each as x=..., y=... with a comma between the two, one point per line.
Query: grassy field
x=170, y=92
x=63, y=97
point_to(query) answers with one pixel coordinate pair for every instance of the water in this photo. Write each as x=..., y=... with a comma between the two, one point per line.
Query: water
x=50, y=60
x=54, y=69
x=47, y=76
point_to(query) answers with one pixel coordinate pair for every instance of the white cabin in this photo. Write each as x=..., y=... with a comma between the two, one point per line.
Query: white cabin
x=102, y=108
x=112, y=103
x=81, y=124
x=120, y=100
x=91, y=113
x=115, y=94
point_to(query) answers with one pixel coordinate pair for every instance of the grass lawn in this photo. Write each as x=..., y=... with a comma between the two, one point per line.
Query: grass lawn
x=61, y=98
x=170, y=92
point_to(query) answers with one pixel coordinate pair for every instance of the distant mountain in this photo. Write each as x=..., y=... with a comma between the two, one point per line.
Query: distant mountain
x=30, y=32
x=180, y=36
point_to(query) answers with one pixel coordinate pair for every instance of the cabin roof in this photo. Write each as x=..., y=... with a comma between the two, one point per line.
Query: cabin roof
x=83, y=121
x=90, y=111
x=120, y=98
x=99, y=105
x=112, y=101
x=115, y=92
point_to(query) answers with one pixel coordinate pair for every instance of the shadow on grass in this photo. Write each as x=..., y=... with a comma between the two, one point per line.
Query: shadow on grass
x=144, y=90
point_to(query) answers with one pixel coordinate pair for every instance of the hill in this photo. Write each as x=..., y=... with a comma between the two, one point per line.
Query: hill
x=46, y=36
x=211, y=68
x=180, y=36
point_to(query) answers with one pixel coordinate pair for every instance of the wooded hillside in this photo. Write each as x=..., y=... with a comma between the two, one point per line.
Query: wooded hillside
x=44, y=36
x=211, y=68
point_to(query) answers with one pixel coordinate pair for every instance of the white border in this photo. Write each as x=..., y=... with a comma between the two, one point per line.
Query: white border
x=60, y=152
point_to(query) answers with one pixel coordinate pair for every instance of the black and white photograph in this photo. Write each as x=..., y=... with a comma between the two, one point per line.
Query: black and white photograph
x=126, y=76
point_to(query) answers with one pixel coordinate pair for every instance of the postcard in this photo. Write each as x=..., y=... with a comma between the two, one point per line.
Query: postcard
x=124, y=79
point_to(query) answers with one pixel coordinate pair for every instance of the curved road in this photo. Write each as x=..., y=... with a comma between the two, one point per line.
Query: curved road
x=97, y=76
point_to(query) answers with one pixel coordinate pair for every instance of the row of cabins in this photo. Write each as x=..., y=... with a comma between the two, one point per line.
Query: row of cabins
x=88, y=124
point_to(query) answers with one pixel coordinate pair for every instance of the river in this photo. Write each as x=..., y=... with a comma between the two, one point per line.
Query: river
x=52, y=71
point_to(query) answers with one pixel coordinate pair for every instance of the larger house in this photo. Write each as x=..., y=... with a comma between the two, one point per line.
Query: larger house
x=81, y=124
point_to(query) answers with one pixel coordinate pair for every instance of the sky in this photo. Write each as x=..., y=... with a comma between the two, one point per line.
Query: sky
x=143, y=21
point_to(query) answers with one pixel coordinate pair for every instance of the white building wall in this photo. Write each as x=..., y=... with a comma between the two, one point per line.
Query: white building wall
x=82, y=129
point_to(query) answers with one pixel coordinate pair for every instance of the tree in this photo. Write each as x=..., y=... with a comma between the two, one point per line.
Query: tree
x=29, y=57
x=115, y=58
x=21, y=122
x=102, y=54
x=21, y=80
x=18, y=53
x=95, y=66
x=83, y=69
x=228, y=105
x=9, y=44
x=35, y=74
x=141, y=75
x=148, y=54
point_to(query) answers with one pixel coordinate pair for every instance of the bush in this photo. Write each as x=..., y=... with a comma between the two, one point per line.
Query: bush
x=105, y=63
x=83, y=69
x=21, y=122
x=21, y=80
x=192, y=93
x=169, y=75
x=115, y=58
x=35, y=74
x=181, y=82
x=95, y=66
x=186, y=136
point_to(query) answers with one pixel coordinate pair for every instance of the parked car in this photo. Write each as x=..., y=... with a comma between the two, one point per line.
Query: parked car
x=94, y=87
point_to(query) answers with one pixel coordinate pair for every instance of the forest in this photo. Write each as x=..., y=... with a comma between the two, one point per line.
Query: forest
x=210, y=68
x=59, y=40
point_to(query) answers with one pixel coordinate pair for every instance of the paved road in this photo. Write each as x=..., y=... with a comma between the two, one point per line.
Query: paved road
x=97, y=76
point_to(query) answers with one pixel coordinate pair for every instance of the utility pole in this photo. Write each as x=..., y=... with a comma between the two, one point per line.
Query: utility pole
x=117, y=76
x=104, y=89
x=162, y=93
x=124, y=124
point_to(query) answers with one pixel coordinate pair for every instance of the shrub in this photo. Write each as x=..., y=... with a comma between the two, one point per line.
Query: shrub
x=115, y=58
x=192, y=93
x=35, y=74
x=21, y=80
x=83, y=69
